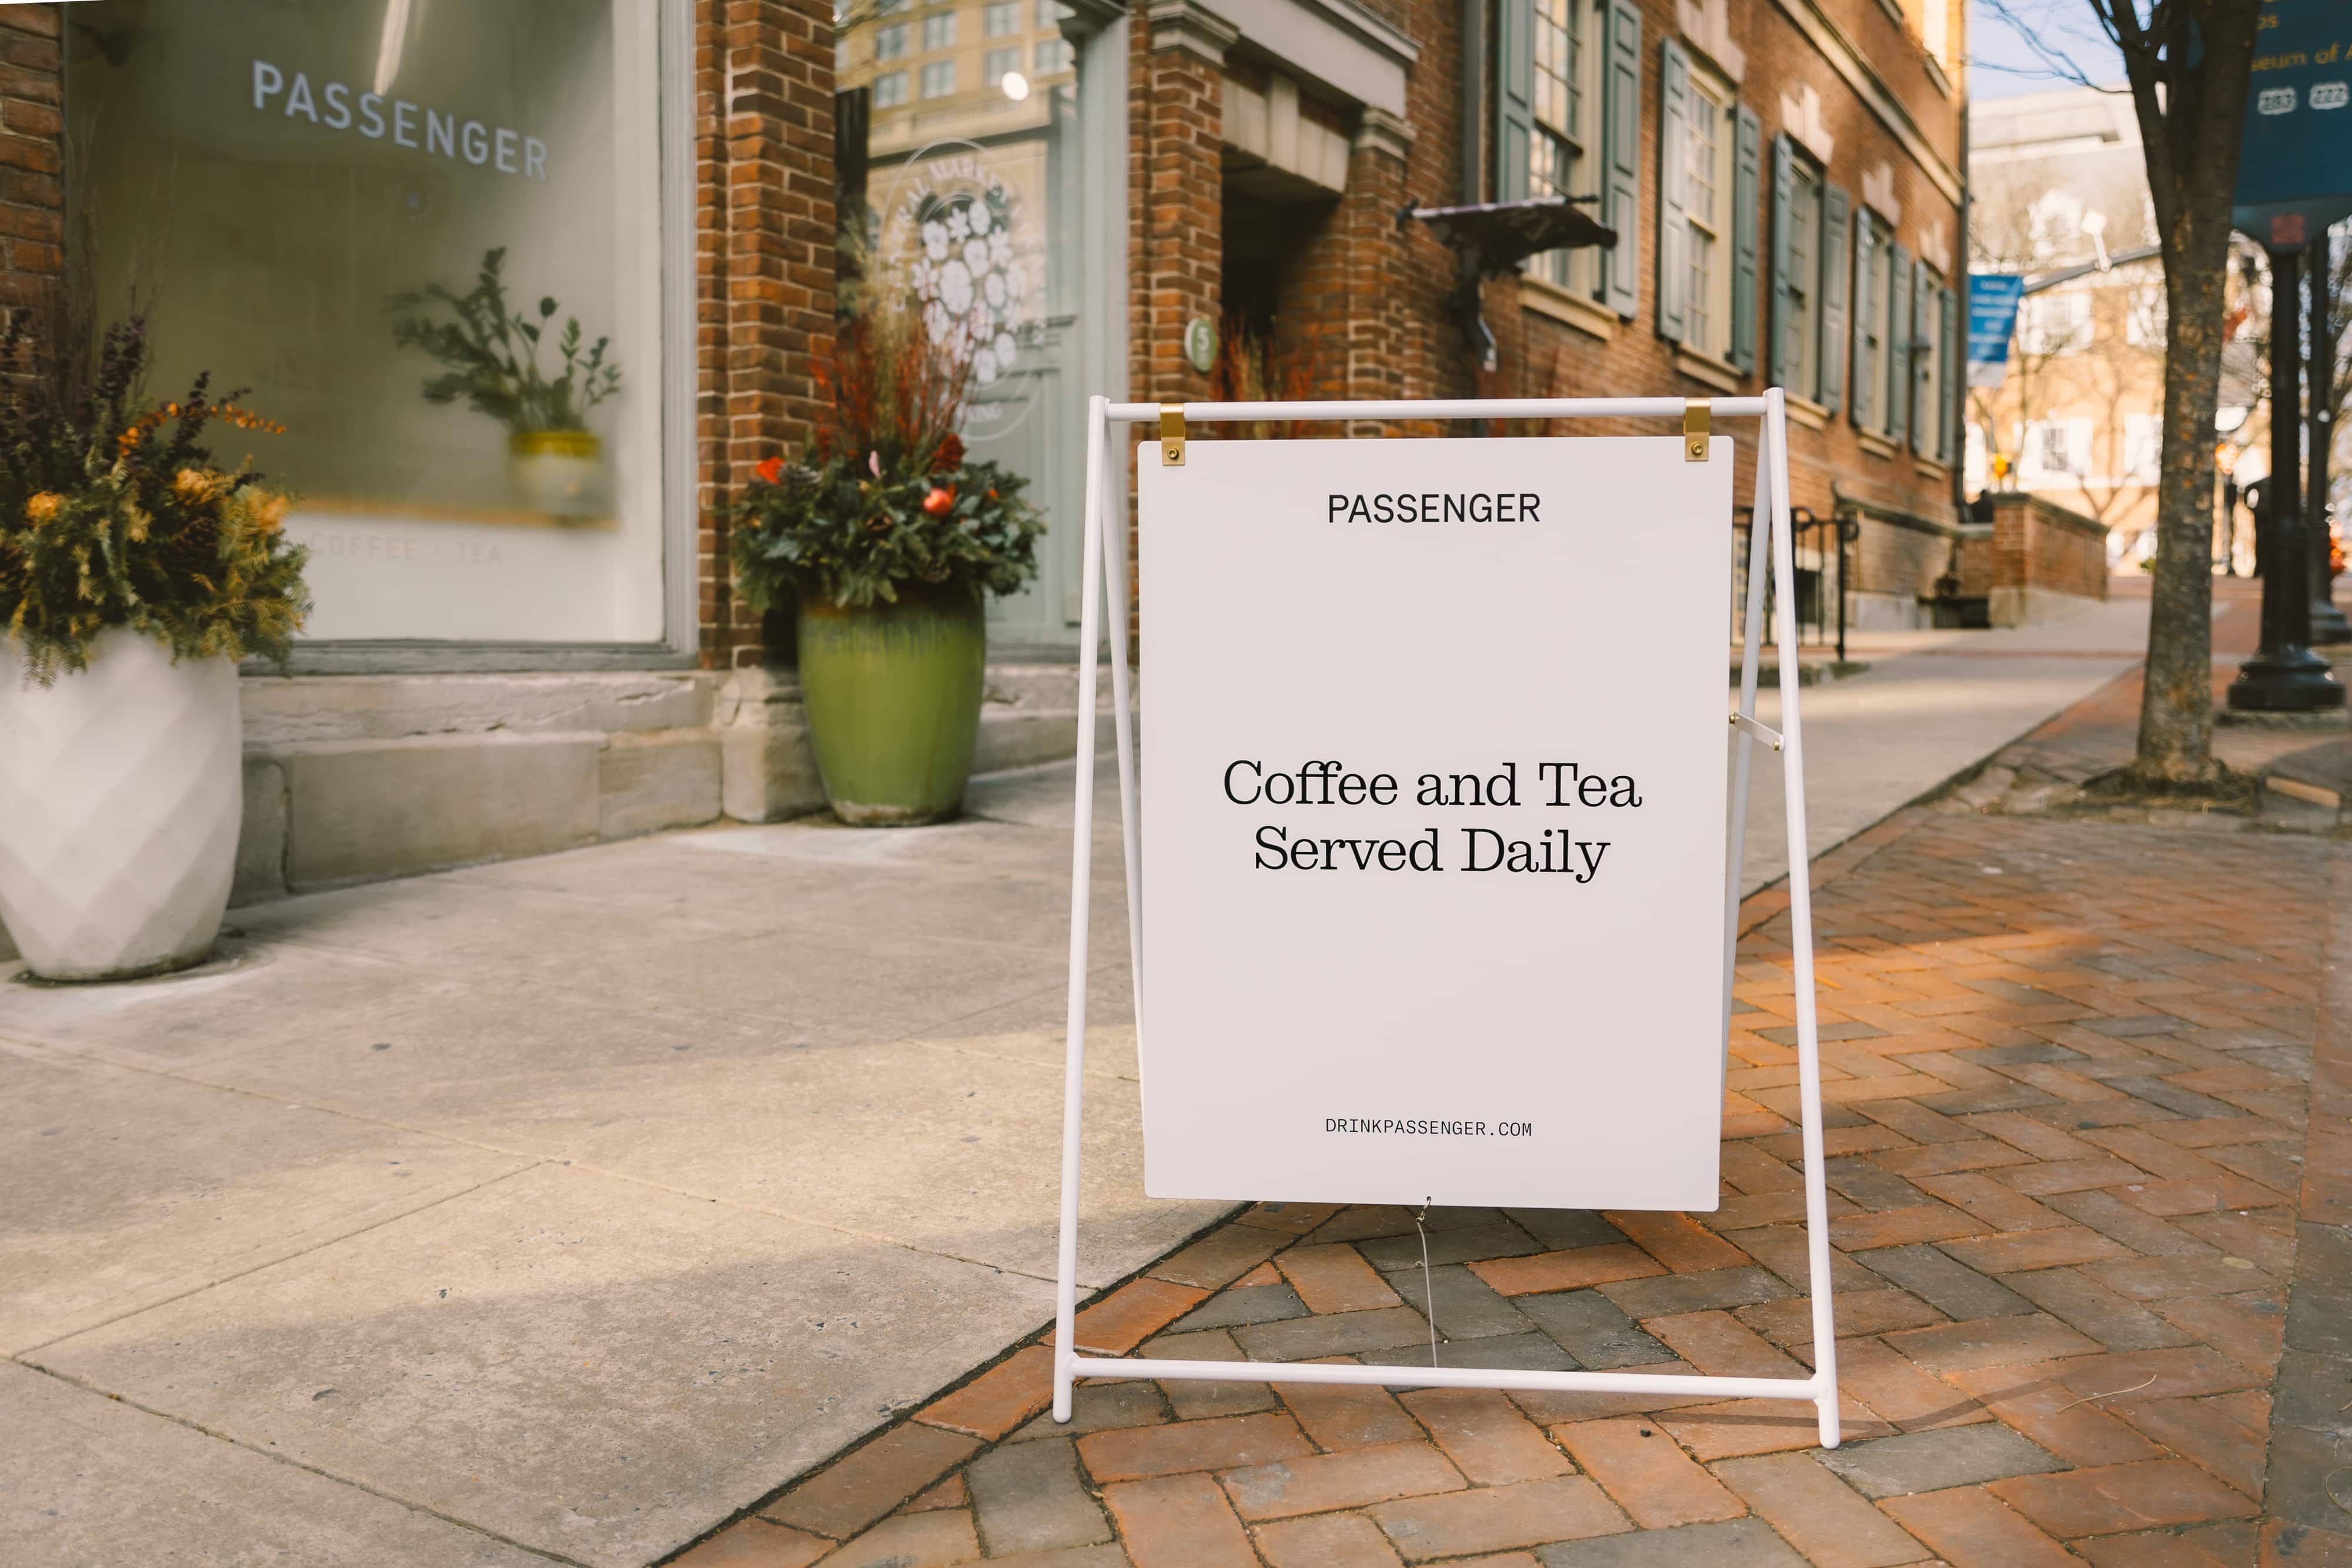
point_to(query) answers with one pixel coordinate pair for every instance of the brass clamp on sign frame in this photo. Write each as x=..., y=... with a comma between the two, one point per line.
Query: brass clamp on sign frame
x=1172, y=436
x=1696, y=414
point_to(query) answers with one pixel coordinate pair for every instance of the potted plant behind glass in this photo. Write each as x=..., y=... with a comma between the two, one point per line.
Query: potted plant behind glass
x=134, y=574
x=491, y=353
x=885, y=537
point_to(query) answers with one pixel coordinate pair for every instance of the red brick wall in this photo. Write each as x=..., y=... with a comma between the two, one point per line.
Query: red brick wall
x=1344, y=310
x=764, y=260
x=1176, y=193
x=2039, y=546
x=32, y=158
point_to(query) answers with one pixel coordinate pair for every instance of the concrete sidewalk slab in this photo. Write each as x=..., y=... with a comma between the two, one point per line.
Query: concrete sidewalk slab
x=93, y=1481
x=563, y=1358
x=147, y=1187
x=785, y=1099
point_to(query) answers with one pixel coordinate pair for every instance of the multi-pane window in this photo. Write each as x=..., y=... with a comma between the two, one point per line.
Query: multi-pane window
x=939, y=79
x=1051, y=12
x=1706, y=208
x=1813, y=298
x=1052, y=56
x=1000, y=64
x=2055, y=450
x=2143, y=447
x=890, y=42
x=1559, y=160
x=2055, y=322
x=1928, y=404
x=938, y=30
x=999, y=18
x=891, y=89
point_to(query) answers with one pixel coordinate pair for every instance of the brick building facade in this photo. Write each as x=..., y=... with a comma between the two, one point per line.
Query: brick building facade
x=1834, y=139
x=1158, y=177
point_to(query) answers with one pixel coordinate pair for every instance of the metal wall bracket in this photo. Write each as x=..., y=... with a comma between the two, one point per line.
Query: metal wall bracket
x=1172, y=436
x=1761, y=732
x=1697, y=411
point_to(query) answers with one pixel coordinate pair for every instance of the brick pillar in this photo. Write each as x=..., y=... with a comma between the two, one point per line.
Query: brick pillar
x=1344, y=309
x=32, y=160
x=1177, y=134
x=764, y=244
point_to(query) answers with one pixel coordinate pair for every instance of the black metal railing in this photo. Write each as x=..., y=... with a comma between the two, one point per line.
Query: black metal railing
x=1822, y=580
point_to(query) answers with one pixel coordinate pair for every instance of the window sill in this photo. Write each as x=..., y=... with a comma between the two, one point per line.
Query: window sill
x=1706, y=369
x=1804, y=411
x=1937, y=76
x=1878, y=446
x=1928, y=468
x=1545, y=298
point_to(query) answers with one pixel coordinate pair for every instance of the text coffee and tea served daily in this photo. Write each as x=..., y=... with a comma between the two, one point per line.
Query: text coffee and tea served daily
x=1561, y=786
x=1432, y=864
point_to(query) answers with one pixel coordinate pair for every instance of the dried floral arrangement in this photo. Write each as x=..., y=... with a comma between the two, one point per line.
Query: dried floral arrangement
x=885, y=498
x=113, y=514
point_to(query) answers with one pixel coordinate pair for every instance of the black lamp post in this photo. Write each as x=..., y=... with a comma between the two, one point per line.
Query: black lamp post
x=2285, y=675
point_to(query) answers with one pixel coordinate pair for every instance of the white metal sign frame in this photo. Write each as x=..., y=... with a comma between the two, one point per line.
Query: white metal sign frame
x=1106, y=566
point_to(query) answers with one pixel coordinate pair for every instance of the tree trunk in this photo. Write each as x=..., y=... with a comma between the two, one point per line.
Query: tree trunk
x=2176, y=714
x=2189, y=63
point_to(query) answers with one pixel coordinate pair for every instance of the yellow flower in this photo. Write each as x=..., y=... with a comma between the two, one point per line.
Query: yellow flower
x=192, y=486
x=271, y=514
x=44, y=506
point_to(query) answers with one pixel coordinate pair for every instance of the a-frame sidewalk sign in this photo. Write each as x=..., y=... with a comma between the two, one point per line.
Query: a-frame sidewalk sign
x=1445, y=830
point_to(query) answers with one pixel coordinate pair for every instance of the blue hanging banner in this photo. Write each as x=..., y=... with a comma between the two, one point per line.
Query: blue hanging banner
x=2294, y=170
x=1993, y=316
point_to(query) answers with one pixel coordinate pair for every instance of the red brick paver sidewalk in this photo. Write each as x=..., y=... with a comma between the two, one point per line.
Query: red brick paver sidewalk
x=2068, y=1066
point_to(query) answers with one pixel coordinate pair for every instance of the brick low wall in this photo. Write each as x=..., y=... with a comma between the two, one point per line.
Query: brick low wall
x=2046, y=561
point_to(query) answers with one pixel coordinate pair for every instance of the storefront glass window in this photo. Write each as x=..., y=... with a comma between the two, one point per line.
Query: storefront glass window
x=972, y=206
x=365, y=211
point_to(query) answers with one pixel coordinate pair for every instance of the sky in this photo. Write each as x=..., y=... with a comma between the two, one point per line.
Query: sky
x=2002, y=64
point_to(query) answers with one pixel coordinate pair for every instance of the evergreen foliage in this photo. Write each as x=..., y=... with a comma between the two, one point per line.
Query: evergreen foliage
x=492, y=353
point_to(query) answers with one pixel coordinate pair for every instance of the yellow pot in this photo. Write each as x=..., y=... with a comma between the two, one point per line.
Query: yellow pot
x=559, y=472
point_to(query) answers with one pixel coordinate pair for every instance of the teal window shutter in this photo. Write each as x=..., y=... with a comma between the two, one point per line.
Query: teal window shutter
x=1836, y=263
x=1744, y=192
x=1674, y=170
x=1514, y=88
x=1867, y=372
x=1897, y=423
x=1949, y=385
x=1784, y=202
x=1620, y=188
x=1926, y=421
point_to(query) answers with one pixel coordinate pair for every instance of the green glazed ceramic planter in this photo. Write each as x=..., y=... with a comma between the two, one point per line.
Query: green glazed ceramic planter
x=892, y=693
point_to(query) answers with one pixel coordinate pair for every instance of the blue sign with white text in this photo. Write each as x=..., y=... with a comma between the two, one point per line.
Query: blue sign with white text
x=2294, y=171
x=1992, y=314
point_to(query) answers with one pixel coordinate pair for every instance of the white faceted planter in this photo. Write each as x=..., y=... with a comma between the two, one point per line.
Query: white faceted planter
x=121, y=791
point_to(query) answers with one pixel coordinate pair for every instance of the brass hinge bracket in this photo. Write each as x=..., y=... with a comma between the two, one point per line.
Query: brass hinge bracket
x=1172, y=436
x=1768, y=735
x=1696, y=414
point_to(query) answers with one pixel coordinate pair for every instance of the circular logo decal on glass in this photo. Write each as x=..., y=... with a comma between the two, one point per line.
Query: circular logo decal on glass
x=956, y=236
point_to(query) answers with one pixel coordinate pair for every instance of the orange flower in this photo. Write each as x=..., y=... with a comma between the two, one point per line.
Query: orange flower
x=771, y=470
x=192, y=485
x=937, y=502
x=44, y=506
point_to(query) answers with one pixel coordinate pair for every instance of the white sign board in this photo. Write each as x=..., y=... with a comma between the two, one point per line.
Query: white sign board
x=1435, y=786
